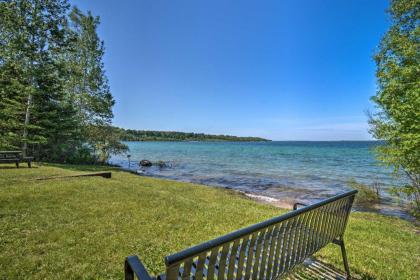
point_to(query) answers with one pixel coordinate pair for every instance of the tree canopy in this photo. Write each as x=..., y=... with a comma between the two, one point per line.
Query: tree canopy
x=54, y=94
x=397, y=120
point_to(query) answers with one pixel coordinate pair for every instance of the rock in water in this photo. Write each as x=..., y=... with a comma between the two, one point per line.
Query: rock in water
x=145, y=162
x=162, y=164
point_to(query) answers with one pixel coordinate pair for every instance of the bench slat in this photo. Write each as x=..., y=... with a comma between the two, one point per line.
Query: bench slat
x=212, y=263
x=335, y=219
x=318, y=228
x=340, y=217
x=172, y=272
x=294, y=235
x=200, y=266
x=267, y=242
x=280, y=239
x=330, y=221
x=283, y=249
x=297, y=241
x=242, y=257
x=232, y=259
x=222, y=261
x=306, y=232
x=187, y=269
x=250, y=255
x=292, y=244
x=272, y=249
x=260, y=242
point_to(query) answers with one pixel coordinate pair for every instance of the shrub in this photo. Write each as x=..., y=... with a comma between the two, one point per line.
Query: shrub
x=410, y=196
x=368, y=194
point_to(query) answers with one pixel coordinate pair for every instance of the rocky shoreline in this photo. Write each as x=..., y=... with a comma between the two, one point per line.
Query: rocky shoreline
x=285, y=203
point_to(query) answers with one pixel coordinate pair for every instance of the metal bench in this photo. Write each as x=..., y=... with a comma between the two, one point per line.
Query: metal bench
x=14, y=157
x=267, y=250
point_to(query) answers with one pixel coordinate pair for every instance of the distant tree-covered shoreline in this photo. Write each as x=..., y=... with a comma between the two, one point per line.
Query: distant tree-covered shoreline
x=150, y=135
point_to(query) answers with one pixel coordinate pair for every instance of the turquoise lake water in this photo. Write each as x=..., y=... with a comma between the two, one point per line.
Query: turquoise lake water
x=304, y=171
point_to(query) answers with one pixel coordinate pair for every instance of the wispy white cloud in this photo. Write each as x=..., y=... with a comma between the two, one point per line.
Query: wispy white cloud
x=356, y=126
x=340, y=128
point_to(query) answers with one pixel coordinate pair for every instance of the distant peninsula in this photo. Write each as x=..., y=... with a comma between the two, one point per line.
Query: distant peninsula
x=150, y=135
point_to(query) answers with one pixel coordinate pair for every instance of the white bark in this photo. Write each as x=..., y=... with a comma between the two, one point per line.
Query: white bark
x=25, y=127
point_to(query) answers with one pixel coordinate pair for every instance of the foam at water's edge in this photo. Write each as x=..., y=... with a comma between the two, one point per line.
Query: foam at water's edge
x=262, y=197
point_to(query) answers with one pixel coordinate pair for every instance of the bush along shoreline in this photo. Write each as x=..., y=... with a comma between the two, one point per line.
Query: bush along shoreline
x=371, y=198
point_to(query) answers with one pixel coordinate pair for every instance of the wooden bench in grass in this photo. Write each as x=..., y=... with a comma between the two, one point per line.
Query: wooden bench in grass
x=14, y=157
x=267, y=250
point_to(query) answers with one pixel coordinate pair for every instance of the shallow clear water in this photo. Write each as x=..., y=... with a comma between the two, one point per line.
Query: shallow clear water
x=305, y=171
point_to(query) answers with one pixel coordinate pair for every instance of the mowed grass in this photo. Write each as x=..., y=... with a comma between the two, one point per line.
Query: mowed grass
x=83, y=228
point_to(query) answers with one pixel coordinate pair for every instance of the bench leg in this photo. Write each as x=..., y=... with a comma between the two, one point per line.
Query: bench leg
x=128, y=272
x=340, y=242
x=29, y=164
x=17, y=164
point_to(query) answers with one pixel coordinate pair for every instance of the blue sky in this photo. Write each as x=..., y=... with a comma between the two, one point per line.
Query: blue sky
x=284, y=70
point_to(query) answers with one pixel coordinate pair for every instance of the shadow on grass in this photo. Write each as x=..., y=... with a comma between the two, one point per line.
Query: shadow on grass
x=313, y=268
x=14, y=167
x=82, y=167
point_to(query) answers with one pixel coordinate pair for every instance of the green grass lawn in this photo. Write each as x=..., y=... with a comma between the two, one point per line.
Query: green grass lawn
x=84, y=227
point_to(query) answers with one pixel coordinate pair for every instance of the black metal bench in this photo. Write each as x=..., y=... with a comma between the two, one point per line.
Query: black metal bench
x=267, y=250
x=14, y=157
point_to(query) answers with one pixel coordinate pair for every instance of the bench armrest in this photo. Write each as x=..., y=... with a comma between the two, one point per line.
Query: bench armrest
x=296, y=205
x=133, y=266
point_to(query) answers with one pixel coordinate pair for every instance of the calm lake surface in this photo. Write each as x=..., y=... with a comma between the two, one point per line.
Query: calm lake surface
x=304, y=171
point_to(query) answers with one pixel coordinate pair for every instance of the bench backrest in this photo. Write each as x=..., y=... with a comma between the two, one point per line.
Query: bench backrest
x=268, y=249
x=10, y=154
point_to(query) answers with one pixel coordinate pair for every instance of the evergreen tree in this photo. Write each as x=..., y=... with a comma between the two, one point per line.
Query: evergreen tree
x=53, y=87
x=32, y=38
x=11, y=101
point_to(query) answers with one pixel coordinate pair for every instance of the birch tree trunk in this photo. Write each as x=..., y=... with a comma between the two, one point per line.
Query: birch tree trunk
x=25, y=127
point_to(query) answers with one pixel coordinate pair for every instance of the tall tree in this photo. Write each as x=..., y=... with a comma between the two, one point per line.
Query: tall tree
x=397, y=120
x=88, y=85
x=32, y=35
x=11, y=100
x=53, y=87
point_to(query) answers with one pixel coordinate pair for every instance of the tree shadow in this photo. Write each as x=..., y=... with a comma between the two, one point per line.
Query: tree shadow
x=20, y=167
x=82, y=167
